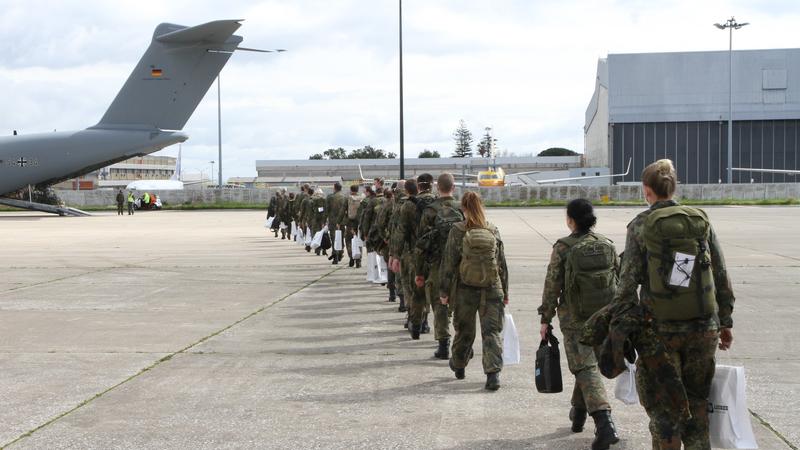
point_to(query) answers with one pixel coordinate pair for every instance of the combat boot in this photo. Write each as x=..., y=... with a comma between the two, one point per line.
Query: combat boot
x=324, y=252
x=444, y=349
x=308, y=248
x=405, y=325
x=318, y=251
x=578, y=418
x=425, y=329
x=415, y=330
x=402, y=307
x=492, y=381
x=392, y=294
x=605, y=433
x=352, y=262
x=358, y=263
x=460, y=373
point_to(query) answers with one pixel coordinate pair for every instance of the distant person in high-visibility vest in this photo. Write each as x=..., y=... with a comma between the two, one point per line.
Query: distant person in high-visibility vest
x=131, y=203
x=146, y=202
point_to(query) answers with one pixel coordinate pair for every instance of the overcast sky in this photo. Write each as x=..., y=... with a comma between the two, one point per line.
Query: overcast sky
x=524, y=67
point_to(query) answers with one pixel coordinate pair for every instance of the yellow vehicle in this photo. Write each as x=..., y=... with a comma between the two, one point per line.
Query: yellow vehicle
x=492, y=178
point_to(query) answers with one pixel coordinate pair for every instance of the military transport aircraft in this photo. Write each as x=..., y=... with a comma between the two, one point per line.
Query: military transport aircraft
x=147, y=115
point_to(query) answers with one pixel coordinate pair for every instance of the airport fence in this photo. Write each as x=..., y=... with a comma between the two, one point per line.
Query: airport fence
x=509, y=194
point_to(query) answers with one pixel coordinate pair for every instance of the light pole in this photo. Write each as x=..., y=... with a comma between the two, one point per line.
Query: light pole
x=731, y=25
x=402, y=140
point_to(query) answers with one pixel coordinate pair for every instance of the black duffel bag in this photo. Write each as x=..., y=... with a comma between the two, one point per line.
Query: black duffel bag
x=326, y=241
x=548, y=365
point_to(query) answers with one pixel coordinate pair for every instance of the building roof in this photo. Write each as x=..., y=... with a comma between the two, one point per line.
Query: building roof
x=416, y=162
x=694, y=86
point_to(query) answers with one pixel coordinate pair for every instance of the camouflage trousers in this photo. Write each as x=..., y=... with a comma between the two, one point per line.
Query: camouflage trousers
x=589, y=392
x=441, y=314
x=349, y=233
x=414, y=296
x=489, y=307
x=692, y=355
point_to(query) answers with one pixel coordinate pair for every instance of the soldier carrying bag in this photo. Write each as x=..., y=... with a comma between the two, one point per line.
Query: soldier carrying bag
x=591, y=274
x=548, y=365
x=679, y=264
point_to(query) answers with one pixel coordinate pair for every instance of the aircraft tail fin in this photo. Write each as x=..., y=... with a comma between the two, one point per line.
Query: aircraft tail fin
x=173, y=76
x=177, y=175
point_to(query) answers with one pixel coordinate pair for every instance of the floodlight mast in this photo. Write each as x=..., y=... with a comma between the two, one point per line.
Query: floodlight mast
x=730, y=25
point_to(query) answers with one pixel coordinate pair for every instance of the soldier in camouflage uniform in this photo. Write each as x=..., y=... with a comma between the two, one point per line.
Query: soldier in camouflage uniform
x=424, y=199
x=351, y=222
x=589, y=394
x=298, y=208
x=403, y=243
x=380, y=239
x=368, y=215
x=369, y=194
x=400, y=198
x=304, y=206
x=691, y=344
x=488, y=302
x=318, y=214
x=428, y=255
x=272, y=211
x=337, y=216
x=283, y=214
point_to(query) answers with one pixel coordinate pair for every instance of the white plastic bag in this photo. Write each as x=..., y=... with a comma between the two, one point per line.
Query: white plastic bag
x=355, y=247
x=625, y=390
x=309, y=237
x=299, y=238
x=283, y=226
x=268, y=223
x=382, y=269
x=317, y=241
x=729, y=418
x=510, y=341
x=294, y=230
x=338, y=242
x=371, y=267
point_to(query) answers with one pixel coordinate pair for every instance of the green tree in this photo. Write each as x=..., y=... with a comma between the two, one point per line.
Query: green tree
x=557, y=151
x=335, y=153
x=429, y=154
x=463, y=138
x=369, y=152
x=487, y=144
x=316, y=156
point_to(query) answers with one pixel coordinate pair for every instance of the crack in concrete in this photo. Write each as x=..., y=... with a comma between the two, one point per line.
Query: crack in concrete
x=532, y=228
x=166, y=358
x=769, y=426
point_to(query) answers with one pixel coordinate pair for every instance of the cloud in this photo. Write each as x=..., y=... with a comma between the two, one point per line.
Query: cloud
x=525, y=68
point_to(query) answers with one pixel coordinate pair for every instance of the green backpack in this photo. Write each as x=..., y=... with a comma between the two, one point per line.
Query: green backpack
x=679, y=263
x=433, y=241
x=479, y=266
x=591, y=275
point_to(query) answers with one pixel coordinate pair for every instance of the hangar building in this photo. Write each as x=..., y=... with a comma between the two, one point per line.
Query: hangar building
x=675, y=105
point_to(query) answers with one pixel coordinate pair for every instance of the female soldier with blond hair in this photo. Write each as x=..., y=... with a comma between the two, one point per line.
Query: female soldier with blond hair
x=672, y=252
x=474, y=270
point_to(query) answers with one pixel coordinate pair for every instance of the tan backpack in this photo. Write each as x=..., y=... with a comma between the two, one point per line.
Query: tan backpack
x=479, y=266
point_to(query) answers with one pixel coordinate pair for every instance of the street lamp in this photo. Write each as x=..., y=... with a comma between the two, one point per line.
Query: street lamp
x=731, y=25
x=402, y=137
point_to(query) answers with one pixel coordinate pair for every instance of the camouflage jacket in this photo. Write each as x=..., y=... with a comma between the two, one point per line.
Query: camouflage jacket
x=383, y=214
x=299, y=211
x=405, y=232
x=337, y=210
x=451, y=260
x=292, y=208
x=272, y=208
x=399, y=200
x=554, y=288
x=426, y=223
x=317, y=212
x=633, y=273
x=368, y=215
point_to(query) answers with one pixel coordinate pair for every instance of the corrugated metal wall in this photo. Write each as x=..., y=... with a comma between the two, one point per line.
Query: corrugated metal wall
x=700, y=149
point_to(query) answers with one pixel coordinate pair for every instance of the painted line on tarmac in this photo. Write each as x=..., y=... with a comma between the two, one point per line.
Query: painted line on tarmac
x=165, y=359
x=531, y=227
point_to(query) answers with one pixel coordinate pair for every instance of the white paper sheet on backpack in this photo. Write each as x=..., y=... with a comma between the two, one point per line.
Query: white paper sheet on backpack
x=681, y=274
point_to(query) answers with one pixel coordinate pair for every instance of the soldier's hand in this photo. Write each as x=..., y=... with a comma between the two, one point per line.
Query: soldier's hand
x=443, y=299
x=505, y=301
x=725, y=338
x=419, y=280
x=543, y=331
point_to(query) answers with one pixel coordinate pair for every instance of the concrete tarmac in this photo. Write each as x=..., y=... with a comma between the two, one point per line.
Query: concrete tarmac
x=201, y=330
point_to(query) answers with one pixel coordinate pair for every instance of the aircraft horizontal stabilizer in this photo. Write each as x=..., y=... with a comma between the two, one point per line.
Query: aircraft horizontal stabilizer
x=216, y=32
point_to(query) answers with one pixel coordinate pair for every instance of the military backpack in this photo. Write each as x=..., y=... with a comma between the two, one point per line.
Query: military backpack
x=353, y=202
x=590, y=279
x=433, y=241
x=681, y=283
x=479, y=266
